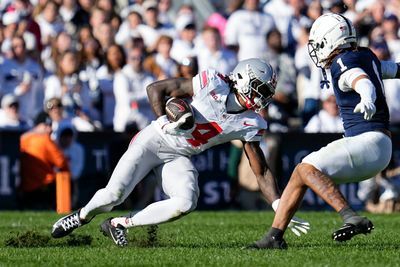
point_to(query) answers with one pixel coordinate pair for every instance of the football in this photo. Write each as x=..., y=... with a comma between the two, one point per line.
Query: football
x=177, y=108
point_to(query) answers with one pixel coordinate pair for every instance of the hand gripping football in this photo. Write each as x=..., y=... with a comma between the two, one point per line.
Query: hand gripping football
x=177, y=108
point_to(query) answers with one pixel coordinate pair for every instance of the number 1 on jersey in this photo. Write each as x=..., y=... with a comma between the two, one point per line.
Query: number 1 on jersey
x=342, y=66
x=204, y=132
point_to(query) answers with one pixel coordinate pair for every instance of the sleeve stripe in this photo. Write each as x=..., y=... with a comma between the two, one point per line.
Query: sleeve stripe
x=204, y=79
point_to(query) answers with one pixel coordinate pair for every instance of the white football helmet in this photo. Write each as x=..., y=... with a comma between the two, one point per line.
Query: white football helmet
x=328, y=32
x=255, y=81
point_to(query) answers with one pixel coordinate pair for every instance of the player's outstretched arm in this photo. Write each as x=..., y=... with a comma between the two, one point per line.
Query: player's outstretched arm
x=157, y=91
x=390, y=70
x=268, y=185
x=259, y=166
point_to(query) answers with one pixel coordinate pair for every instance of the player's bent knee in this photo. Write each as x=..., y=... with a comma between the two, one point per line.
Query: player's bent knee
x=115, y=197
x=185, y=206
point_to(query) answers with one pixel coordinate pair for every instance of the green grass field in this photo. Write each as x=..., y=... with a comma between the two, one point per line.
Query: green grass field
x=199, y=239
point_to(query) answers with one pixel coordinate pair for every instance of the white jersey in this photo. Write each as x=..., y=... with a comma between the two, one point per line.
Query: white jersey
x=214, y=125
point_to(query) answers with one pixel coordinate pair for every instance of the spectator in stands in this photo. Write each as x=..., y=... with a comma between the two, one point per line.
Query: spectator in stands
x=40, y=160
x=327, y=120
x=69, y=15
x=188, y=68
x=91, y=59
x=106, y=75
x=392, y=87
x=25, y=10
x=22, y=76
x=246, y=30
x=51, y=54
x=184, y=44
x=67, y=85
x=105, y=36
x=161, y=64
x=132, y=27
x=49, y=22
x=390, y=26
x=296, y=22
x=120, y=84
x=165, y=12
x=97, y=17
x=75, y=154
x=132, y=104
x=9, y=115
x=213, y=55
x=307, y=81
x=284, y=65
x=380, y=194
x=14, y=25
x=55, y=109
x=156, y=28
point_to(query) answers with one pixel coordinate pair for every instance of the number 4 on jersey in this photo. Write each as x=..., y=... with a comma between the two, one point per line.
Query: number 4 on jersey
x=204, y=132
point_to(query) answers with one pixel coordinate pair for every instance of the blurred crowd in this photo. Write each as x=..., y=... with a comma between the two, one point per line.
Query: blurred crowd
x=97, y=56
x=86, y=63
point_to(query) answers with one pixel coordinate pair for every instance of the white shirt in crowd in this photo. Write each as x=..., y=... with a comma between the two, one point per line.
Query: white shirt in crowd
x=248, y=29
x=141, y=111
x=223, y=61
x=323, y=122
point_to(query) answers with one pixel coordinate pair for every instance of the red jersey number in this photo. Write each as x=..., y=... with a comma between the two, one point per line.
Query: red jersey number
x=204, y=132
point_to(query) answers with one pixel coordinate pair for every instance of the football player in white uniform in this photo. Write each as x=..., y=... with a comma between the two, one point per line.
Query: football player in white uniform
x=225, y=108
x=366, y=148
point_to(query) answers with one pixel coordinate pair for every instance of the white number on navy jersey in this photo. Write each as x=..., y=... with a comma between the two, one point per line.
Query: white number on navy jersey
x=342, y=66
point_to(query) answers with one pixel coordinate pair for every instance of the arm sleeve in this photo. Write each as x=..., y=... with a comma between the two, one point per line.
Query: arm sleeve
x=347, y=78
x=389, y=69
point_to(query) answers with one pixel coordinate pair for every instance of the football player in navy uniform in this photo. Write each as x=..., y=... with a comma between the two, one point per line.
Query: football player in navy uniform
x=366, y=147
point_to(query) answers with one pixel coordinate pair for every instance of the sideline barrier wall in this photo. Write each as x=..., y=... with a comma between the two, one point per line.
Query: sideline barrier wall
x=103, y=150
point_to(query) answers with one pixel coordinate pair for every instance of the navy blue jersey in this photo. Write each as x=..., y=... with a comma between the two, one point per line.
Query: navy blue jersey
x=354, y=123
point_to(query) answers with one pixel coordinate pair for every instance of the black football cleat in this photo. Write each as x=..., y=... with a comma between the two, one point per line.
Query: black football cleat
x=268, y=242
x=117, y=234
x=348, y=230
x=66, y=225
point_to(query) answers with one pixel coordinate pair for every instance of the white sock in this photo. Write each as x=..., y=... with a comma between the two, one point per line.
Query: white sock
x=124, y=221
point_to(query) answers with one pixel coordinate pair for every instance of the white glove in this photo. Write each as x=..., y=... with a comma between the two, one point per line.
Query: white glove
x=296, y=225
x=172, y=128
x=366, y=107
x=299, y=226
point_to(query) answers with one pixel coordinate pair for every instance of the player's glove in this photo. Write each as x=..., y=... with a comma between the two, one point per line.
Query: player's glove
x=366, y=90
x=172, y=128
x=296, y=225
x=299, y=226
x=366, y=107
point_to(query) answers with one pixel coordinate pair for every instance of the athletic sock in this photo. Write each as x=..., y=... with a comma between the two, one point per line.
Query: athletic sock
x=347, y=213
x=123, y=221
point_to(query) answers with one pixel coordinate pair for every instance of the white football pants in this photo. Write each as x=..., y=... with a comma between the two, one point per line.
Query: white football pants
x=149, y=155
x=353, y=159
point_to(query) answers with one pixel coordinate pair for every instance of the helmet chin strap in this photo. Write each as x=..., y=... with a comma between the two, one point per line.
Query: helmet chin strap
x=325, y=81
